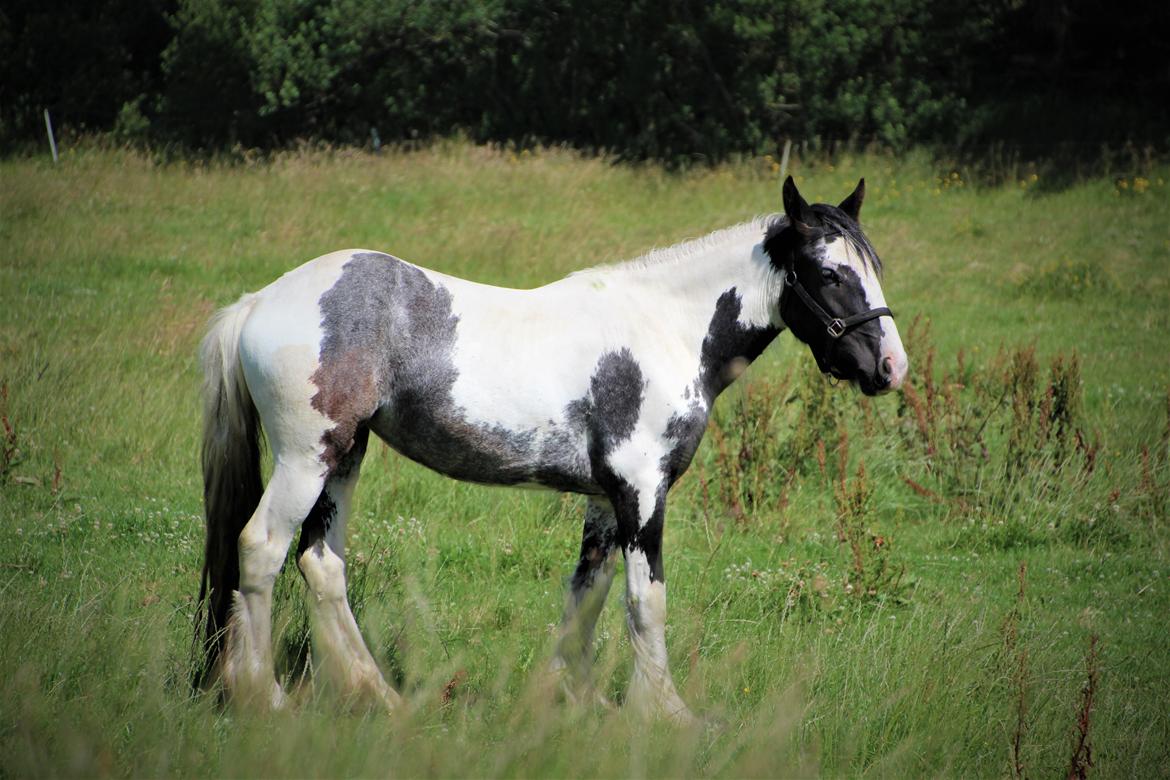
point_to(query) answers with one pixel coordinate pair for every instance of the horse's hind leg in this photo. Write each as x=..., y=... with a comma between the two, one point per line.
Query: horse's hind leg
x=588, y=589
x=248, y=671
x=340, y=652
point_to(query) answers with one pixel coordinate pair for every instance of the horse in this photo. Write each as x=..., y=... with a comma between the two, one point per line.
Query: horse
x=598, y=384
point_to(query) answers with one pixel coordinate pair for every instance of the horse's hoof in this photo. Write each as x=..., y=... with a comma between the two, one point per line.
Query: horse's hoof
x=713, y=724
x=368, y=692
x=575, y=692
x=388, y=698
x=682, y=717
x=586, y=696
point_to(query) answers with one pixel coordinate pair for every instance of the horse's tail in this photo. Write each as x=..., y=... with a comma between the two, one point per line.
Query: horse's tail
x=232, y=484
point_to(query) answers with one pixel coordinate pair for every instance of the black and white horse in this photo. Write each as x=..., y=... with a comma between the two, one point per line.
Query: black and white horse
x=598, y=384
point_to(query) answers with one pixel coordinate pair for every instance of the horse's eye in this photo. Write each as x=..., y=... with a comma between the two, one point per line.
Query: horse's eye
x=830, y=276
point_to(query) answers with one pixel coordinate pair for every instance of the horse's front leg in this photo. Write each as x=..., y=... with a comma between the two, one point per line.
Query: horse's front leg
x=640, y=508
x=587, y=592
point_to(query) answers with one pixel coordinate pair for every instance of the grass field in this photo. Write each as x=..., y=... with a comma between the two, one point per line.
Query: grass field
x=963, y=579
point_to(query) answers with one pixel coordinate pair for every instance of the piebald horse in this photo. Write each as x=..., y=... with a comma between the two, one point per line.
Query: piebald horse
x=599, y=384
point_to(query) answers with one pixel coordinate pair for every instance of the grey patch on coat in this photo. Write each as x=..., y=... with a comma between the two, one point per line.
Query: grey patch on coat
x=386, y=360
x=564, y=459
x=616, y=391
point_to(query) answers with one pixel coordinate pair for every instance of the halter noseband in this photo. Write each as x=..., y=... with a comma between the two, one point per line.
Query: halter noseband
x=835, y=326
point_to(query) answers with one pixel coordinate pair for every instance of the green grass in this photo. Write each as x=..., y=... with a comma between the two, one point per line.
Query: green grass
x=110, y=265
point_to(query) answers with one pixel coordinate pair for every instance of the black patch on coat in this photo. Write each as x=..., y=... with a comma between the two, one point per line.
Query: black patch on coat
x=598, y=538
x=631, y=535
x=685, y=431
x=727, y=340
x=317, y=524
x=386, y=360
x=648, y=538
x=324, y=511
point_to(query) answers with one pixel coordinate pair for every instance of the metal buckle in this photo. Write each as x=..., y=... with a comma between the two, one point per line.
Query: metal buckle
x=837, y=328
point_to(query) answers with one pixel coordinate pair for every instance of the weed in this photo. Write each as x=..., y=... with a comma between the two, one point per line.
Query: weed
x=752, y=448
x=10, y=454
x=1004, y=447
x=769, y=436
x=1082, y=756
x=1153, y=495
x=1016, y=656
x=870, y=574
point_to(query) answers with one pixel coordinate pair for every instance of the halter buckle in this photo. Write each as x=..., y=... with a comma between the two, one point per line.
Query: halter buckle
x=837, y=328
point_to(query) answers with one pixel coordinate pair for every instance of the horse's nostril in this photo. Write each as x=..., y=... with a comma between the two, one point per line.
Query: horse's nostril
x=886, y=367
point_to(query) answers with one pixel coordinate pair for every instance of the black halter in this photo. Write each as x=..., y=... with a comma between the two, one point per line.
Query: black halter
x=836, y=326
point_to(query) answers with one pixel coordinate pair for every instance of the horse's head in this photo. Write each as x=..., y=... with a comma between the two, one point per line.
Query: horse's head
x=832, y=297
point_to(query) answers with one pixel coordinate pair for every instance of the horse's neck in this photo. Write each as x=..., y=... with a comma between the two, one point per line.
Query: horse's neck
x=721, y=294
x=699, y=271
x=706, y=276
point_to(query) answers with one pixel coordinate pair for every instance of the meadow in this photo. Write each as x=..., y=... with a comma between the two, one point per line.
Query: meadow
x=969, y=578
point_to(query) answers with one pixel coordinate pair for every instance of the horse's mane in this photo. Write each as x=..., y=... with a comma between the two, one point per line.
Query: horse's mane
x=684, y=250
x=835, y=222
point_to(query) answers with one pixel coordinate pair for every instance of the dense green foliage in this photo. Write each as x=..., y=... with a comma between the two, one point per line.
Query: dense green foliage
x=645, y=79
x=847, y=595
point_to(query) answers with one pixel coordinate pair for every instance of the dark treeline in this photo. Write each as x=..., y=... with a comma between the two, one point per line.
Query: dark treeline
x=673, y=81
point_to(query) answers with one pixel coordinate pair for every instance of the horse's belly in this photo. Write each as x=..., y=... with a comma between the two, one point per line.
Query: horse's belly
x=551, y=456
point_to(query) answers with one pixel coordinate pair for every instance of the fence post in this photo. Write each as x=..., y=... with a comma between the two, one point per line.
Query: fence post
x=49, y=130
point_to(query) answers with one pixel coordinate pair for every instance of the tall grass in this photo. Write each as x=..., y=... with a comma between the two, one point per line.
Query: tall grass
x=846, y=595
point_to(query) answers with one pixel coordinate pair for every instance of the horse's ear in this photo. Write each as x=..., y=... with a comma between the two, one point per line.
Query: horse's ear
x=852, y=204
x=800, y=214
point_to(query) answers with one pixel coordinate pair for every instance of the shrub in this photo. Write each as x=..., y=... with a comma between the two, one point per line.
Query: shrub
x=679, y=82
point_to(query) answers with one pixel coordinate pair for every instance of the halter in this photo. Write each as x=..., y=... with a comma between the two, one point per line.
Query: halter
x=835, y=326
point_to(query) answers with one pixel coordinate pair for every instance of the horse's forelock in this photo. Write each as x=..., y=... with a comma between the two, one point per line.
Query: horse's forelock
x=837, y=221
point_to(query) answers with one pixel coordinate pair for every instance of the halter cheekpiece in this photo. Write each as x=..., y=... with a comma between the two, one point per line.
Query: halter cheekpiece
x=835, y=326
